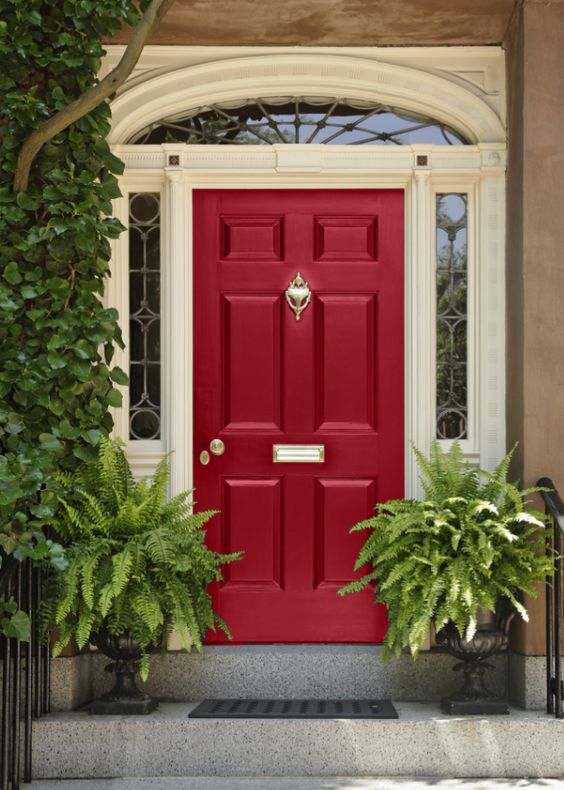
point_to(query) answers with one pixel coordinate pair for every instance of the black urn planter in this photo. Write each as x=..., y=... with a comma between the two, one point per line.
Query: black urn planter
x=125, y=698
x=491, y=637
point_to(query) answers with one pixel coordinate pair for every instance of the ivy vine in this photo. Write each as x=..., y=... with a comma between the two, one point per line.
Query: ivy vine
x=57, y=338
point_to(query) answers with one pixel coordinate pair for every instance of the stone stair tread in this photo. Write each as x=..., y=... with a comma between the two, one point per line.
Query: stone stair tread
x=422, y=742
x=295, y=783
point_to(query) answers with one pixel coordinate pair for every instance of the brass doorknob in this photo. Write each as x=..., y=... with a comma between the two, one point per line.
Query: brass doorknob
x=217, y=447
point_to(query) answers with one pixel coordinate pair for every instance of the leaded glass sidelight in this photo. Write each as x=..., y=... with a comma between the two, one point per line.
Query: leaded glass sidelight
x=298, y=119
x=452, y=315
x=144, y=316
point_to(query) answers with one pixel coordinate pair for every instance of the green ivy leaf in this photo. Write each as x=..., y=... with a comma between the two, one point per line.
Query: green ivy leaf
x=49, y=441
x=26, y=201
x=114, y=398
x=119, y=376
x=83, y=349
x=11, y=273
x=28, y=292
x=92, y=436
x=17, y=626
x=87, y=454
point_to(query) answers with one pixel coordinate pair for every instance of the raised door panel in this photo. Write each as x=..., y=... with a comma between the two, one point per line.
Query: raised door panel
x=251, y=520
x=345, y=362
x=339, y=504
x=342, y=239
x=251, y=238
x=252, y=360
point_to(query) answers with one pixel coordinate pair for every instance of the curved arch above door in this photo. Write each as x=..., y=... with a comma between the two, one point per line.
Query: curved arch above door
x=350, y=77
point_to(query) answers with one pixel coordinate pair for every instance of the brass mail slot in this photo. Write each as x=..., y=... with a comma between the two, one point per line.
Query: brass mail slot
x=298, y=453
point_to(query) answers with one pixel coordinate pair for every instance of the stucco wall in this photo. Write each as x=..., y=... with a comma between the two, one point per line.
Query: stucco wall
x=535, y=250
x=333, y=22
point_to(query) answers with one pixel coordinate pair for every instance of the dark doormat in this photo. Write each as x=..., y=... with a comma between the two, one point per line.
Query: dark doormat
x=294, y=709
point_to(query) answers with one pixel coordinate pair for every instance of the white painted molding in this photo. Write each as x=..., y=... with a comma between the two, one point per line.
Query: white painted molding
x=144, y=160
x=346, y=76
x=491, y=389
x=458, y=169
x=481, y=70
x=144, y=456
x=477, y=169
x=177, y=328
x=420, y=326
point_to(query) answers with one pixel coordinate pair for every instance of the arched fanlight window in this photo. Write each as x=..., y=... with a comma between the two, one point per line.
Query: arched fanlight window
x=298, y=119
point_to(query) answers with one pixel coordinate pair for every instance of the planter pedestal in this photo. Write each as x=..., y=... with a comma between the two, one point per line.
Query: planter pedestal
x=474, y=707
x=125, y=698
x=474, y=698
x=490, y=638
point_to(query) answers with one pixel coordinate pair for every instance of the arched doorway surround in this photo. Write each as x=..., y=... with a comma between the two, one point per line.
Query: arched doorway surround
x=310, y=75
x=423, y=171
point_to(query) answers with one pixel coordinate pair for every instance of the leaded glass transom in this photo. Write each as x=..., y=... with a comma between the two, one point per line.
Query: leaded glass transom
x=299, y=119
x=144, y=315
x=452, y=316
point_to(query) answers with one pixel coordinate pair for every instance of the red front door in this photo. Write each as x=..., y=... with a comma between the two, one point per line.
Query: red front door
x=333, y=378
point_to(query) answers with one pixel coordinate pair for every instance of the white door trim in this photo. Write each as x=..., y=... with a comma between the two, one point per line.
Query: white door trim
x=478, y=170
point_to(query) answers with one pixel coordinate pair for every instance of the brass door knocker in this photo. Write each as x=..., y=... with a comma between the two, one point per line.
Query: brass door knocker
x=298, y=295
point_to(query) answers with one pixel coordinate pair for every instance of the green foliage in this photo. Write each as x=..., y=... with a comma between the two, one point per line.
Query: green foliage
x=468, y=545
x=136, y=562
x=56, y=337
x=14, y=623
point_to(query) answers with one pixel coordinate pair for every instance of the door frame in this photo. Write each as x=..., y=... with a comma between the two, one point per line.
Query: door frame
x=421, y=171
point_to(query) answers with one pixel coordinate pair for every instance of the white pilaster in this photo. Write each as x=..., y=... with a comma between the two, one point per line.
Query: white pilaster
x=420, y=324
x=176, y=322
x=491, y=330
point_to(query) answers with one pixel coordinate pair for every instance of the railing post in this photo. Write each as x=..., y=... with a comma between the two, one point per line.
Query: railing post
x=554, y=508
x=557, y=618
x=38, y=663
x=25, y=676
x=549, y=663
x=28, y=677
x=16, y=702
x=6, y=700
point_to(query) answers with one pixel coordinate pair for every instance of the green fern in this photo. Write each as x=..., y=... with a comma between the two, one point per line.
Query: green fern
x=137, y=561
x=470, y=543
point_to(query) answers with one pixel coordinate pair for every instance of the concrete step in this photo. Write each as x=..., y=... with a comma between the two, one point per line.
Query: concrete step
x=279, y=671
x=421, y=743
x=296, y=783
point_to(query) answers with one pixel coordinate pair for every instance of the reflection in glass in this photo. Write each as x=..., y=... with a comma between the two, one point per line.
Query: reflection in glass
x=452, y=316
x=144, y=316
x=298, y=119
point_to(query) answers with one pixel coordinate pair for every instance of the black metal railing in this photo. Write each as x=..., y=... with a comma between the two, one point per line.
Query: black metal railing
x=24, y=693
x=554, y=686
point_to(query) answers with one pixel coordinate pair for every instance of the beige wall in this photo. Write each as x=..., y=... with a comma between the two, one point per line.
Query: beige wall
x=333, y=22
x=535, y=269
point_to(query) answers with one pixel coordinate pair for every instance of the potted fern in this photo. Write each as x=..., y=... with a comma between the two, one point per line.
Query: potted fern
x=138, y=568
x=469, y=549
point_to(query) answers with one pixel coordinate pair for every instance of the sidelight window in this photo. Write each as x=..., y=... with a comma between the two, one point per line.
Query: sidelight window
x=452, y=315
x=144, y=315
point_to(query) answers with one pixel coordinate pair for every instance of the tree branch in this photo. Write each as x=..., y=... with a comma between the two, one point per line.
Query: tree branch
x=93, y=97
